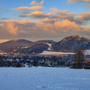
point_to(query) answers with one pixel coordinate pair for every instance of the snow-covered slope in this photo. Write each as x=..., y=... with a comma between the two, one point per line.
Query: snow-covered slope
x=49, y=46
x=44, y=78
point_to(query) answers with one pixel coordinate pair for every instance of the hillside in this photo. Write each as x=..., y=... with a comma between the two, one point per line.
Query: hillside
x=68, y=44
x=36, y=47
x=14, y=43
x=71, y=43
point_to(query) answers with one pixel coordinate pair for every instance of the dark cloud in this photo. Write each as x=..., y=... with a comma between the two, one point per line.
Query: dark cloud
x=35, y=15
x=4, y=19
x=77, y=1
x=83, y=18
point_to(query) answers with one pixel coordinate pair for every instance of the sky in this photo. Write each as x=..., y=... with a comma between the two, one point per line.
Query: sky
x=44, y=19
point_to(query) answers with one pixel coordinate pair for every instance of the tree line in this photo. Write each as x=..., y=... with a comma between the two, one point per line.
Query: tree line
x=79, y=60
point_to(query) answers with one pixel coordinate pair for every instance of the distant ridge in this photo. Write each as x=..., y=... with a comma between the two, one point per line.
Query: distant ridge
x=14, y=43
x=68, y=44
x=72, y=43
x=36, y=47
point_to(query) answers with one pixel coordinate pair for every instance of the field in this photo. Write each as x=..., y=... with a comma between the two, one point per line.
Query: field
x=44, y=78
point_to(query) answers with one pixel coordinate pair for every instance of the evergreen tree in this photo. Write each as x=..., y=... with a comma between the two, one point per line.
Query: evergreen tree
x=34, y=63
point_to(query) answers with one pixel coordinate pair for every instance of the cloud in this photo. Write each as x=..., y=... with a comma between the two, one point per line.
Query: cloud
x=57, y=14
x=79, y=18
x=3, y=18
x=24, y=21
x=88, y=6
x=12, y=29
x=77, y=1
x=49, y=20
x=53, y=11
x=43, y=28
x=55, y=23
x=14, y=26
x=34, y=8
x=67, y=25
x=65, y=14
x=83, y=18
x=64, y=26
x=36, y=14
x=35, y=3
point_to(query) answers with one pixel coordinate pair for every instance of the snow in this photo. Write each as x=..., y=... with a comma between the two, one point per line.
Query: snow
x=87, y=52
x=49, y=48
x=44, y=78
x=50, y=52
x=54, y=53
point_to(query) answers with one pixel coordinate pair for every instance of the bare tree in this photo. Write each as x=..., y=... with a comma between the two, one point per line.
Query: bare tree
x=78, y=58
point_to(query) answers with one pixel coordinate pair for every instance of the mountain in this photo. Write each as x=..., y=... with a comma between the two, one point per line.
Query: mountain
x=68, y=44
x=36, y=47
x=71, y=43
x=14, y=43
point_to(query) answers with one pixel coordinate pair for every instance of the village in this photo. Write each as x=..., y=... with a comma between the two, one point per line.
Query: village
x=36, y=60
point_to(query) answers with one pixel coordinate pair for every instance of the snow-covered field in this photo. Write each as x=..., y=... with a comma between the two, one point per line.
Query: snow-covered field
x=54, y=53
x=87, y=52
x=44, y=78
